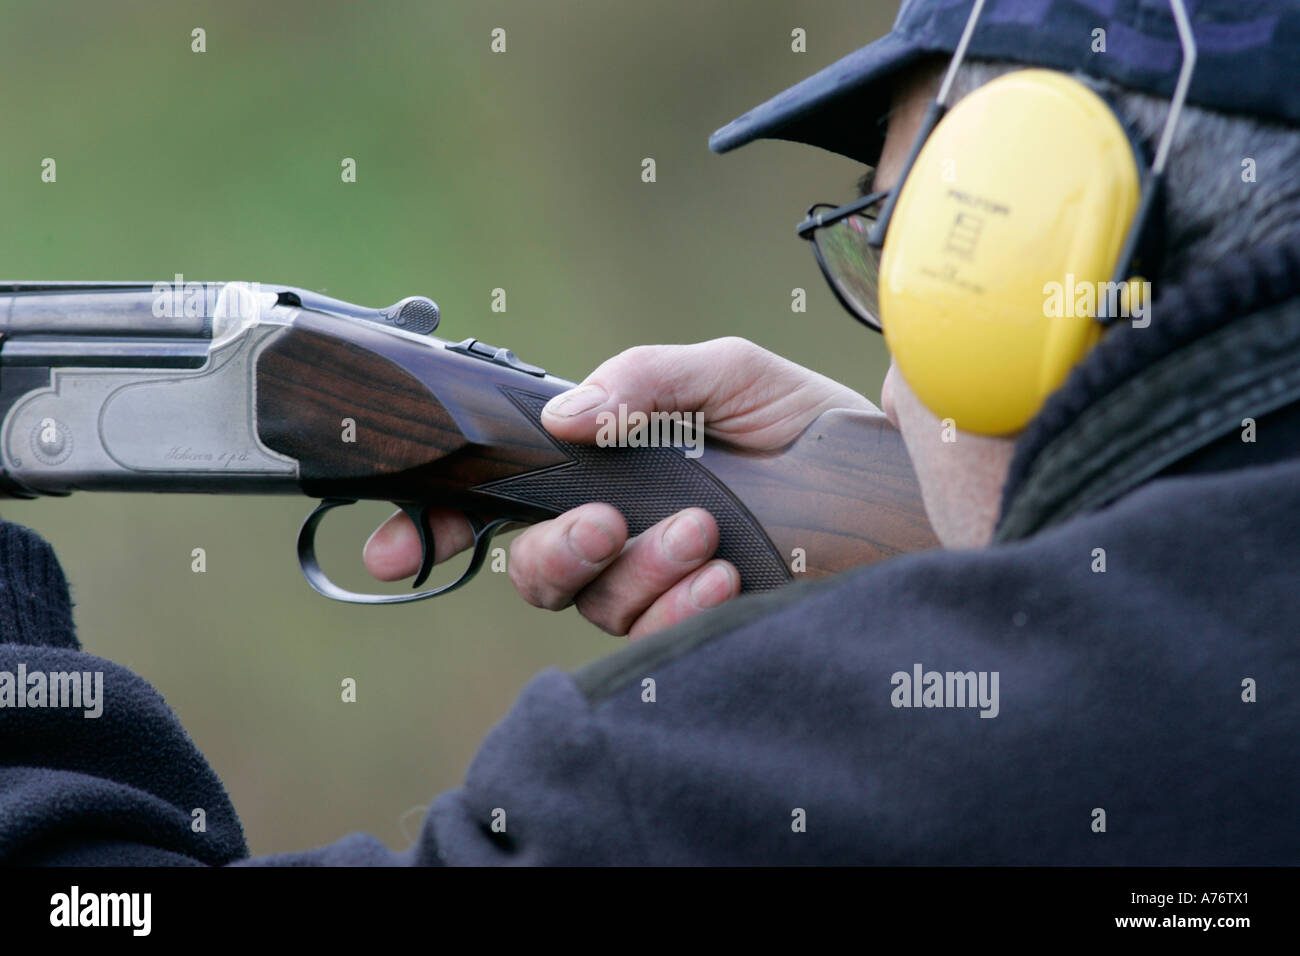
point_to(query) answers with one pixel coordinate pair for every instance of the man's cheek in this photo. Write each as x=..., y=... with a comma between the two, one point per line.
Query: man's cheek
x=887, y=396
x=922, y=434
x=918, y=424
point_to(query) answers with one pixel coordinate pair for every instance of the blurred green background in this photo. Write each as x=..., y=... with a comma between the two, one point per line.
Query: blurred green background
x=475, y=170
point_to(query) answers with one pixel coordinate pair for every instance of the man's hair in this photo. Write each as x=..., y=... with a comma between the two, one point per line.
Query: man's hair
x=1212, y=209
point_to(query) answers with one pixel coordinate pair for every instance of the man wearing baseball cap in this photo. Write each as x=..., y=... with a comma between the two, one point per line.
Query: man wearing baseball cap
x=1078, y=234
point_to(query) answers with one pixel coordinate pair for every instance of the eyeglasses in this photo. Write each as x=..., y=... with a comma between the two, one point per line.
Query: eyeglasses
x=850, y=262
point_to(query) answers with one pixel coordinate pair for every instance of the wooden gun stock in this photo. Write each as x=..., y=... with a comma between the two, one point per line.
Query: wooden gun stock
x=844, y=492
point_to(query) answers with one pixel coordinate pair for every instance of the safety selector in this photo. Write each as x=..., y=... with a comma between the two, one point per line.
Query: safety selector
x=490, y=353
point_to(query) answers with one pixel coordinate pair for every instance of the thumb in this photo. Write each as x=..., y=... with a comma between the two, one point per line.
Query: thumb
x=745, y=393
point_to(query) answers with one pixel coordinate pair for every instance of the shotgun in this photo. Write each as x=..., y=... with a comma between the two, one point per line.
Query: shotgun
x=248, y=388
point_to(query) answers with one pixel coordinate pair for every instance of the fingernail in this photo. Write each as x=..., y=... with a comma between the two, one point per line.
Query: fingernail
x=590, y=541
x=576, y=401
x=684, y=538
x=392, y=534
x=712, y=586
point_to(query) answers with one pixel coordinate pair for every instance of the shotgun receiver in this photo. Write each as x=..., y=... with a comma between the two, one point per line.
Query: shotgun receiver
x=235, y=387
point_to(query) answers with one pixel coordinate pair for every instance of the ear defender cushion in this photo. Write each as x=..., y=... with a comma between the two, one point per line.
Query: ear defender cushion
x=1007, y=228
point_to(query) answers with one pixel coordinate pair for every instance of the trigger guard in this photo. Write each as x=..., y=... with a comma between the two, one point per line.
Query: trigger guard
x=321, y=584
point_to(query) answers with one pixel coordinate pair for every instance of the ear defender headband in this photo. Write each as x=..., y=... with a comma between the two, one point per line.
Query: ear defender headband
x=1016, y=234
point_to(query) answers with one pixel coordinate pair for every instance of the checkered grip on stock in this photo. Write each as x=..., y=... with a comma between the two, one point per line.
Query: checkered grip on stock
x=646, y=485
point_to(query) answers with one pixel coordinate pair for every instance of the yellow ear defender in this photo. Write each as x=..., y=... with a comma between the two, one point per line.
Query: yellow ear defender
x=1005, y=233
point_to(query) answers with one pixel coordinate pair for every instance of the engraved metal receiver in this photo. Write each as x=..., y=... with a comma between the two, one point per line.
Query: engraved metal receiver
x=245, y=388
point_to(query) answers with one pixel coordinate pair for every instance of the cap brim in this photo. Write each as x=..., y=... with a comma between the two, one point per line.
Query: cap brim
x=836, y=108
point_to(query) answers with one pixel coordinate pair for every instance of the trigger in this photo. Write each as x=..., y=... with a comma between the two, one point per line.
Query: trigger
x=417, y=514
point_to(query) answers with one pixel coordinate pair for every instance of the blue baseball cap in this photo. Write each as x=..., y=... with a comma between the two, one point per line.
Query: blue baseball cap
x=1248, y=61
